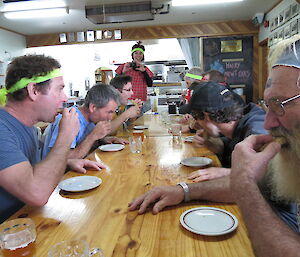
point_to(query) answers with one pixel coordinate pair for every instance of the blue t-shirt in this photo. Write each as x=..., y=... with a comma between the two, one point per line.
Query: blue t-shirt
x=19, y=143
x=51, y=132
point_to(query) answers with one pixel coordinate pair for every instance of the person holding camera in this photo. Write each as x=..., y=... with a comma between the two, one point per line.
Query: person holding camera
x=140, y=74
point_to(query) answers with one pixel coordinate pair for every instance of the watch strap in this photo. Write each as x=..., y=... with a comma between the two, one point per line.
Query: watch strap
x=186, y=191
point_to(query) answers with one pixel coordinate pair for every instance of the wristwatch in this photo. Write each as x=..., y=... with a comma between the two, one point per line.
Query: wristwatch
x=186, y=191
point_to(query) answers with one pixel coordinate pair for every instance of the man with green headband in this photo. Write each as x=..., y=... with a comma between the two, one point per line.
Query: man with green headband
x=140, y=74
x=265, y=177
x=33, y=92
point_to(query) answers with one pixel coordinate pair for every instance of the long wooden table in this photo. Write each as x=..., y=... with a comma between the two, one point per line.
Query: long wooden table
x=101, y=217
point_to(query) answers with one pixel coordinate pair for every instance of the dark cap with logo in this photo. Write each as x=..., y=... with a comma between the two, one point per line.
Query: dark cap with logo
x=212, y=96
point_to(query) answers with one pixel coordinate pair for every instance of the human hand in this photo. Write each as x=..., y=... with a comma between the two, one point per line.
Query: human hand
x=208, y=174
x=140, y=67
x=116, y=140
x=133, y=111
x=69, y=124
x=138, y=102
x=162, y=196
x=248, y=164
x=101, y=129
x=126, y=67
x=79, y=165
x=199, y=139
x=186, y=118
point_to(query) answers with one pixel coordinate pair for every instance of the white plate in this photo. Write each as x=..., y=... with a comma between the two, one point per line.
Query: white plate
x=80, y=183
x=196, y=161
x=111, y=147
x=140, y=127
x=208, y=221
x=189, y=139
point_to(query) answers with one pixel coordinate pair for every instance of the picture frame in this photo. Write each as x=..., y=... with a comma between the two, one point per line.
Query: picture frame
x=71, y=37
x=294, y=9
x=80, y=36
x=272, y=24
x=276, y=22
x=280, y=34
x=287, y=13
x=62, y=38
x=281, y=19
x=90, y=36
x=287, y=31
x=294, y=27
x=275, y=38
x=99, y=34
x=270, y=40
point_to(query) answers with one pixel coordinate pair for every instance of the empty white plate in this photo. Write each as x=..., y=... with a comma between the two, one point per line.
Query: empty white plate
x=208, y=221
x=140, y=127
x=80, y=183
x=189, y=139
x=196, y=161
x=111, y=147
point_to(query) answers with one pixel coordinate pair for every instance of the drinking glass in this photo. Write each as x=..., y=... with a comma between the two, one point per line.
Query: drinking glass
x=73, y=248
x=139, y=133
x=175, y=131
x=17, y=237
x=135, y=144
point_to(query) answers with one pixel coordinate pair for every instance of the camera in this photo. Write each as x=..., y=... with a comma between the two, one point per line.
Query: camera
x=133, y=65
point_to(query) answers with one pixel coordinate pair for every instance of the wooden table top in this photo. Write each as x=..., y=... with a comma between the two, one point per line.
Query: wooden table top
x=101, y=217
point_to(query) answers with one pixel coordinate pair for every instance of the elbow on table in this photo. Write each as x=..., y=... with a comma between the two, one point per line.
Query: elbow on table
x=37, y=200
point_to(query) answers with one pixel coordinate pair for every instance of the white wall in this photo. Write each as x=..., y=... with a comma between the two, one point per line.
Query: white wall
x=11, y=45
x=79, y=62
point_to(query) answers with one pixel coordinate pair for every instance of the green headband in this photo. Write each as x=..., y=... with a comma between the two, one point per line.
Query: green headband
x=137, y=49
x=193, y=76
x=23, y=82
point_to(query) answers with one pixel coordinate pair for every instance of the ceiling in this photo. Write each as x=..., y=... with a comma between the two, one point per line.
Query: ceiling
x=77, y=21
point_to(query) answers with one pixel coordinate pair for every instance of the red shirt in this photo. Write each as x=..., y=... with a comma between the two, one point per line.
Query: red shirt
x=139, y=85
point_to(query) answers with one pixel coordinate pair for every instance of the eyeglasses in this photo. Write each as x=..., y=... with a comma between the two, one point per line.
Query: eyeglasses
x=128, y=89
x=277, y=106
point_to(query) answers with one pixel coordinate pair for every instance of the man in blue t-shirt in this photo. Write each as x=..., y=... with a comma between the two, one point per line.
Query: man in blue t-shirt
x=94, y=119
x=33, y=92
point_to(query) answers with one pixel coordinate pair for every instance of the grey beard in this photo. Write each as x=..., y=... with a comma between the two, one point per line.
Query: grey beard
x=283, y=175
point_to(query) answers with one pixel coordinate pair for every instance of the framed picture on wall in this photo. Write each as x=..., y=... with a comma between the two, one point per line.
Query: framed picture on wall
x=272, y=24
x=287, y=13
x=276, y=22
x=280, y=35
x=281, y=19
x=294, y=27
x=270, y=41
x=275, y=38
x=287, y=31
x=294, y=9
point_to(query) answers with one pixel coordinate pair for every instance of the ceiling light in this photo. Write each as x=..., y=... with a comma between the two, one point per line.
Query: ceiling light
x=37, y=13
x=200, y=2
x=31, y=5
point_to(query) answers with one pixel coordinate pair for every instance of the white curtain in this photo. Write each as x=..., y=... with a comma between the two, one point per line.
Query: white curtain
x=191, y=51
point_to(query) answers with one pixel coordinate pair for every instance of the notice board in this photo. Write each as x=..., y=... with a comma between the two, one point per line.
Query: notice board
x=232, y=56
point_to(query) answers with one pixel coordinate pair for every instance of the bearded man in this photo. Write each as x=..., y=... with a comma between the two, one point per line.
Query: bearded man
x=264, y=183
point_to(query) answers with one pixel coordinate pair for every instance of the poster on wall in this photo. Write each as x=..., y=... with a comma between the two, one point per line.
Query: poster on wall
x=235, y=65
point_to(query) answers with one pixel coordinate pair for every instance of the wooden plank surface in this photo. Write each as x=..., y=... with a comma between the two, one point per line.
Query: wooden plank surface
x=101, y=217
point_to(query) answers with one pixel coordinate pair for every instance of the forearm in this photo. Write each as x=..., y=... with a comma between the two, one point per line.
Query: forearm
x=81, y=150
x=118, y=121
x=267, y=231
x=217, y=190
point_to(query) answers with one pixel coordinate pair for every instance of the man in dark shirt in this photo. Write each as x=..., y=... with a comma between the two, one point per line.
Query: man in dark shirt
x=226, y=121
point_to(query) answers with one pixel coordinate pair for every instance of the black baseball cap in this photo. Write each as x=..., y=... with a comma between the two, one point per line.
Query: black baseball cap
x=212, y=96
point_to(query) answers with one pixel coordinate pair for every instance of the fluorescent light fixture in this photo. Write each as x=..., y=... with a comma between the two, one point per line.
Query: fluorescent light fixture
x=31, y=5
x=200, y=2
x=37, y=13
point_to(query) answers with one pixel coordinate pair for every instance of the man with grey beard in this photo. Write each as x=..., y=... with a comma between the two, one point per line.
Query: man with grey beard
x=265, y=174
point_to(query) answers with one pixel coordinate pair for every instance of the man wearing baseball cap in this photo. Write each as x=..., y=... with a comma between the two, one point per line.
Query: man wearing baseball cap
x=264, y=182
x=221, y=112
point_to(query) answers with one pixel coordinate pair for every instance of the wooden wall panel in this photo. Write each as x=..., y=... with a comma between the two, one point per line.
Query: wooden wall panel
x=226, y=28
